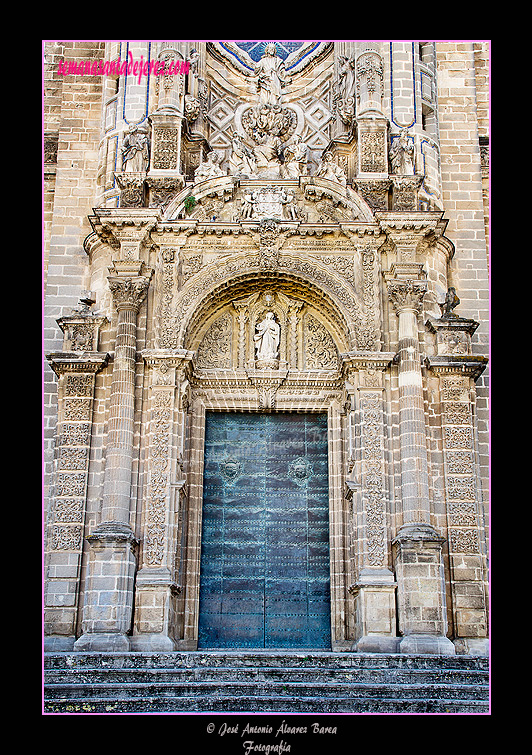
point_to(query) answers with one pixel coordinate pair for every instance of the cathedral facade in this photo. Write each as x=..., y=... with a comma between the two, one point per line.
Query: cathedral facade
x=266, y=346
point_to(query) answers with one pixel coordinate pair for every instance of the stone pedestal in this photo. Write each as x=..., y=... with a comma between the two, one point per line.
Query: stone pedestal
x=372, y=153
x=374, y=594
x=155, y=611
x=420, y=596
x=166, y=145
x=109, y=590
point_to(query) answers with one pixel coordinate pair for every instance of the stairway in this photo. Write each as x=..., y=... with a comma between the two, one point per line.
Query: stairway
x=263, y=681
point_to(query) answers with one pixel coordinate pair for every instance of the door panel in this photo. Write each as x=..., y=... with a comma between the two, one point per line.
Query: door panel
x=265, y=537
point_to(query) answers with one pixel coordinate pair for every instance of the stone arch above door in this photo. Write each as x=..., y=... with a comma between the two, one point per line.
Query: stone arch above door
x=300, y=281
x=226, y=340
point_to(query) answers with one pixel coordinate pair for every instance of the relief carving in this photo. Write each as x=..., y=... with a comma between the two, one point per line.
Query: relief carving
x=215, y=349
x=320, y=350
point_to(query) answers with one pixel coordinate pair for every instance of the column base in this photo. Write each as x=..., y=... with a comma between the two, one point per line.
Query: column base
x=102, y=642
x=426, y=644
x=148, y=643
x=472, y=646
x=376, y=644
x=58, y=644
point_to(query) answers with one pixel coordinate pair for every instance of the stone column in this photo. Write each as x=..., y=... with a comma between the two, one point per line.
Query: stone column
x=109, y=592
x=374, y=585
x=158, y=581
x=76, y=367
x=417, y=546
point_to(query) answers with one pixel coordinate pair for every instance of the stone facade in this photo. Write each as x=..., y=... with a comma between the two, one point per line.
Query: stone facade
x=282, y=227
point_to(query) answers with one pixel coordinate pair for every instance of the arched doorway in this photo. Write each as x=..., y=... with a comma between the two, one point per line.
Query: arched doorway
x=267, y=546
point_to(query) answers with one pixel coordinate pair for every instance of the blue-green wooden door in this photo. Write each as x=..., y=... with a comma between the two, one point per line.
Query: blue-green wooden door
x=265, y=532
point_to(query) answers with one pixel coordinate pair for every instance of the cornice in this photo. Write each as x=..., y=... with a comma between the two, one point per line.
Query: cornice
x=457, y=364
x=367, y=360
x=62, y=362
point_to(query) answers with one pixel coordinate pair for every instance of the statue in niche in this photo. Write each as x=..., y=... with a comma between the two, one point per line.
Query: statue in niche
x=295, y=155
x=247, y=207
x=135, y=149
x=288, y=199
x=271, y=76
x=209, y=169
x=329, y=169
x=267, y=338
x=402, y=155
x=242, y=161
x=451, y=301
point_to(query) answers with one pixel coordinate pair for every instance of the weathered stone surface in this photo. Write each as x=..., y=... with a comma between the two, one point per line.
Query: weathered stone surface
x=296, y=229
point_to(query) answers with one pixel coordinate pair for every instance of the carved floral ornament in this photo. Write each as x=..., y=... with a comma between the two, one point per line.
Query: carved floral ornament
x=407, y=294
x=128, y=293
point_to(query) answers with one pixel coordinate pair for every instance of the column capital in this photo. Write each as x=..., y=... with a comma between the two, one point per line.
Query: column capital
x=129, y=292
x=407, y=294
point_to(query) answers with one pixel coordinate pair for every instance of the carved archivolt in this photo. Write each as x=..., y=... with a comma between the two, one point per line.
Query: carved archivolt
x=295, y=276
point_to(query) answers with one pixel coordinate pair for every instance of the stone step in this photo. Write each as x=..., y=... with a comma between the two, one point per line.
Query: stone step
x=285, y=687
x=267, y=674
x=264, y=682
x=265, y=704
x=261, y=659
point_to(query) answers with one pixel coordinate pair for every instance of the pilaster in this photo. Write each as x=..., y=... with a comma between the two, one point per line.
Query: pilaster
x=158, y=581
x=76, y=368
x=457, y=370
x=374, y=586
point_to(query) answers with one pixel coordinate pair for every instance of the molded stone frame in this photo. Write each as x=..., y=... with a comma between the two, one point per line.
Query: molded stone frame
x=212, y=394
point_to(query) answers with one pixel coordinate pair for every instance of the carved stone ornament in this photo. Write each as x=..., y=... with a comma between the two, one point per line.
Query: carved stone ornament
x=407, y=294
x=370, y=81
x=192, y=108
x=131, y=187
x=128, y=293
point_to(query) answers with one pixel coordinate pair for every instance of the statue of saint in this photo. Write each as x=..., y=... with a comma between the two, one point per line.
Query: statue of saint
x=271, y=76
x=209, y=169
x=295, y=157
x=267, y=156
x=329, y=169
x=242, y=160
x=267, y=338
x=402, y=155
x=135, y=149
